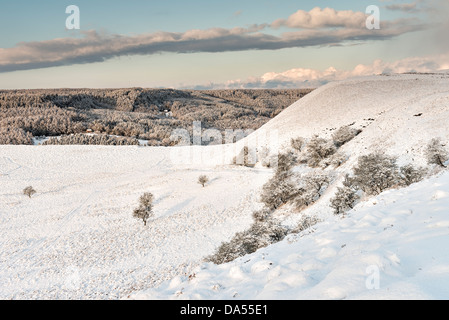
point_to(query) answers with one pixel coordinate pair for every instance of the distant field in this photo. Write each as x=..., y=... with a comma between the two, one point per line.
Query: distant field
x=132, y=114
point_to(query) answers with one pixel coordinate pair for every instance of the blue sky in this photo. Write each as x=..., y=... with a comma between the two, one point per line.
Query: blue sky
x=141, y=43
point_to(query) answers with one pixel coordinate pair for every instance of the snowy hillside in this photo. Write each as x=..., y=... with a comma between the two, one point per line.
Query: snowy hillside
x=76, y=237
x=398, y=113
x=391, y=247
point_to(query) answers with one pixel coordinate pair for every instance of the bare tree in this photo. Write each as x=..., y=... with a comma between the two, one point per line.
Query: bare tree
x=145, y=209
x=202, y=180
x=297, y=143
x=29, y=191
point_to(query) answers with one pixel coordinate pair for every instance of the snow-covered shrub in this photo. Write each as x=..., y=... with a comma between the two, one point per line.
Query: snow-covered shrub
x=312, y=187
x=319, y=149
x=278, y=190
x=145, y=209
x=337, y=159
x=297, y=143
x=262, y=215
x=345, y=198
x=203, y=180
x=285, y=162
x=259, y=235
x=409, y=174
x=29, y=191
x=305, y=223
x=344, y=135
x=375, y=173
x=436, y=152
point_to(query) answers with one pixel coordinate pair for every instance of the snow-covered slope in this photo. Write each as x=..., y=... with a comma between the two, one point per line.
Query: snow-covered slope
x=398, y=113
x=391, y=247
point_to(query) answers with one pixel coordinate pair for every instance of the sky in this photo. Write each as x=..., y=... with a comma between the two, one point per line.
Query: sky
x=212, y=44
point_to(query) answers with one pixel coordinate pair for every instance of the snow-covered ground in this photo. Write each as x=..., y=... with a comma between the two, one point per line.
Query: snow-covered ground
x=76, y=237
x=394, y=246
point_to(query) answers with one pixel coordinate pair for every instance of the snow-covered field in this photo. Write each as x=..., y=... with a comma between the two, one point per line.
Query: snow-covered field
x=76, y=237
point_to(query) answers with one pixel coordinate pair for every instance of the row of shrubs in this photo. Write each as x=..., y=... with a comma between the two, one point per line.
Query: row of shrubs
x=377, y=172
x=373, y=174
x=86, y=139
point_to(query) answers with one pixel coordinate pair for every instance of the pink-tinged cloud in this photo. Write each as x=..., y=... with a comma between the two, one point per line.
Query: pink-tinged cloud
x=323, y=18
x=312, y=78
x=96, y=47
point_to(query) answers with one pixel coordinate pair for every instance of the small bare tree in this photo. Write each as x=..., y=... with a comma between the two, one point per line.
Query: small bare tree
x=29, y=191
x=202, y=180
x=297, y=143
x=145, y=209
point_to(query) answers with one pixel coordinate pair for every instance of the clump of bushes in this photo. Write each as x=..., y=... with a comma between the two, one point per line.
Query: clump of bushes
x=280, y=188
x=409, y=174
x=259, y=235
x=319, y=149
x=313, y=186
x=321, y=152
x=373, y=174
x=344, y=135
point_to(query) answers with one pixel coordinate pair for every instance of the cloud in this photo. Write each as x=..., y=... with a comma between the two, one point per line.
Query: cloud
x=404, y=7
x=312, y=78
x=315, y=25
x=322, y=18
